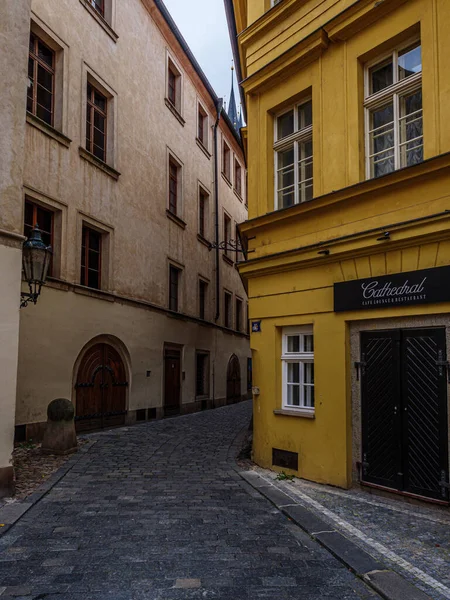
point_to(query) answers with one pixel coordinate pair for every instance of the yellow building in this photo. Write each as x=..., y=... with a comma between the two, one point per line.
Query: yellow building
x=348, y=237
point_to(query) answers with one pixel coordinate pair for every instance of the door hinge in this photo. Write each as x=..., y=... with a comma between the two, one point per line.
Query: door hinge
x=359, y=366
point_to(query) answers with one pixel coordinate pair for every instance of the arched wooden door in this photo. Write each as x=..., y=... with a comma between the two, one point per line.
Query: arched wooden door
x=100, y=389
x=233, y=380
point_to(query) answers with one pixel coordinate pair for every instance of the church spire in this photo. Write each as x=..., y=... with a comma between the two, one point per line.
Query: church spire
x=232, y=110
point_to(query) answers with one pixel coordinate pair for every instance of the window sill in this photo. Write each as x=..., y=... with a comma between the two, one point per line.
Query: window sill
x=173, y=217
x=305, y=414
x=204, y=241
x=93, y=292
x=203, y=148
x=48, y=130
x=225, y=178
x=100, y=20
x=173, y=109
x=228, y=260
x=98, y=163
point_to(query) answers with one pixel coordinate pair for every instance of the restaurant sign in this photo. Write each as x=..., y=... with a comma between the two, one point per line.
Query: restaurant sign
x=399, y=289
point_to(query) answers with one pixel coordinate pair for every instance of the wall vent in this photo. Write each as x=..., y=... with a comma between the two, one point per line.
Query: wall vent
x=151, y=414
x=284, y=458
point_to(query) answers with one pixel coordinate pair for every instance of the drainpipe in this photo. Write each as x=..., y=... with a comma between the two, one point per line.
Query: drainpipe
x=216, y=200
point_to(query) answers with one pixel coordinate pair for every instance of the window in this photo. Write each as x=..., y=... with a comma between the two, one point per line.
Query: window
x=174, y=187
x=239, y=255
x=174, y=280
x=249, y=374
x=202, y=296
x=96, y=122
x=174, y=85
x=298, y=368
x=99, y=6
x=393, y=107
x=227, y=309
x=91, y=258
x=294, y=156
x=37, y=215
x=203, y=202
x=226, y=232
x=226, y=164
x=201, y=374
x=41, y=80
x=202, y=124
x=238, y=315
x=237, y=178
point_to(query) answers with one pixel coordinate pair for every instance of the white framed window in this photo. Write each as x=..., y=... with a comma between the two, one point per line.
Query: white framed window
x=393, y=110
x=298, y=368
x=293, y=150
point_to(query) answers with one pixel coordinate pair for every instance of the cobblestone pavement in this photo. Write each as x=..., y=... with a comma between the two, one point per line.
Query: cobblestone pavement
x=158, y=512
x=413, y=540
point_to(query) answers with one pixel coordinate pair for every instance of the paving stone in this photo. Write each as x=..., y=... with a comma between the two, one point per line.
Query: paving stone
x=159, y=511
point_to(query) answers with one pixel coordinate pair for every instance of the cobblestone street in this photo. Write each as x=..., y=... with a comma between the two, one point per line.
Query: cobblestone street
x=157, y=511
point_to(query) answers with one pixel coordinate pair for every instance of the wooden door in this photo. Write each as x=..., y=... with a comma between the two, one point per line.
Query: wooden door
x=172, y=381
x=100, y=389
x=233, y=380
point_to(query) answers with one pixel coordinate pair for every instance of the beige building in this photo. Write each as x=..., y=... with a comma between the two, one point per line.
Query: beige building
x=123, y=137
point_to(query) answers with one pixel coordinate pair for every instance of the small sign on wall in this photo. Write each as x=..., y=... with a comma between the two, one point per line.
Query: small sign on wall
x=256, y=326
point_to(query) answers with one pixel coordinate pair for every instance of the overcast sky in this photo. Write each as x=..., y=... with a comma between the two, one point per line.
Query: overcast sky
x=204, y=26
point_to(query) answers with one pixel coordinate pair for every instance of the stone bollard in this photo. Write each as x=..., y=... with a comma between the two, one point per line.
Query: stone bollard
x=60, y=436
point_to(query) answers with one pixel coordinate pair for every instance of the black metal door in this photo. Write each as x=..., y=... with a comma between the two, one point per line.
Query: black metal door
x=424, y=415
x=404, y=410
x=380, y=396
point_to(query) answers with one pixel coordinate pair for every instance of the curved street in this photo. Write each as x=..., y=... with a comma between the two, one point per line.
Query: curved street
x=158, y=511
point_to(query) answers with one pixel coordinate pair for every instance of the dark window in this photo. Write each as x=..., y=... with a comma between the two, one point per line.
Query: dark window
x=227, y=309
x=202, y=129
x=173, y=186
x=36, y=215
x=41, y=80
x=238, y=314
x=99, y=6
x=249, y=374
x=202, y=374
x=91, y=258
x=202, y=212
x=226, y=232
x=174, y=274
x=238, y=244
x=173, y=93
x=202, y=291
x=237, y=178
x=226, y=166
x=96, y=116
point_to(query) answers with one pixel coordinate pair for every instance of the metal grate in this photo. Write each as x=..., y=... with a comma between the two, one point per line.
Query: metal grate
x=284, y=458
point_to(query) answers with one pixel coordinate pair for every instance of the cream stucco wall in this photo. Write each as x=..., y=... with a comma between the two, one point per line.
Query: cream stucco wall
x=14, y=25
x=130, y=210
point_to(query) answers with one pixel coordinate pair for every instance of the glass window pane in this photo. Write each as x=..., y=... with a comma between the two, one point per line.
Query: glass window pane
x=45, y=54
x=382, y=116
x=293, y=395
x=93, y=279
x=286, y=158
x=381, y=76
x=383, y=164
x=285, y=124
x=305, y=115
x=286, y=198
x=308, y=392
x=308, y=343
x=44, y=114
x=293, y=373
x=308, y=373
x=99, y=121
x=45, y=78
x=99, y=100
x=293, y=344
x=94, y=240
x=409, y=62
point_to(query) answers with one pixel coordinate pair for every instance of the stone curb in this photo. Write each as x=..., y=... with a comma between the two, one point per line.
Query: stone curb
x=387, y=583
x=11, y=513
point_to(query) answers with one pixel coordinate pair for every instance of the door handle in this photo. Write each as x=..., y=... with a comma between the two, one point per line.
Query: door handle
x=395, y=410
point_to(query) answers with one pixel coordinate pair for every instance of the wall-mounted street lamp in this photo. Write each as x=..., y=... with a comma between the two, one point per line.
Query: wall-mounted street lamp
x=36, y=258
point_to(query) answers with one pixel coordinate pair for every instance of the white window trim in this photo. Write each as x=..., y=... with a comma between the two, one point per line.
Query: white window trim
x=180, y=182
x=170, y=61
x=301, y=136
x=373, y=101
x=295, y=357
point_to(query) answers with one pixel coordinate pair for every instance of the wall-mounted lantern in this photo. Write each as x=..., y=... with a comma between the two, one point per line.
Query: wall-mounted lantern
x=36, y=259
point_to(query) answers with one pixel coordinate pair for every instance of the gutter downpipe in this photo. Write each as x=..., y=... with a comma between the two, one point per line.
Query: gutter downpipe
x=216, y=201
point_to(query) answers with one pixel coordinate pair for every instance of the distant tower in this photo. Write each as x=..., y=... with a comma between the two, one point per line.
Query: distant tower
x=232, y=110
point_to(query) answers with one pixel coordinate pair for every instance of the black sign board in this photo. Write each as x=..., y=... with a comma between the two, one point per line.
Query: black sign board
x=399, y=289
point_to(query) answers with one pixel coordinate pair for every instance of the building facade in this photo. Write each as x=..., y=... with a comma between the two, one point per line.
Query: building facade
x=133, y=171
x=348, y=238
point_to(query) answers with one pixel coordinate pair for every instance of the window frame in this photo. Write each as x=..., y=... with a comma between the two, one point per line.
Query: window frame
x=227, y=220
x=84, y=276
x=176, y=103
x=91, y=109
x=398, y=89
x=206, y=375
x=238, y=313
x=301, y=357
x=203, y=212
x=227, y=314
x=298, y=137
x=202, y=300
x=176, y=306
x=38, y=62
x=202, y=126
x=226, y=161
x=237, y=178
x=27, y=227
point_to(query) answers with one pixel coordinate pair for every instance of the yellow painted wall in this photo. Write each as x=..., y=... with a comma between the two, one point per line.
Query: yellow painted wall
x=307, y=48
